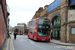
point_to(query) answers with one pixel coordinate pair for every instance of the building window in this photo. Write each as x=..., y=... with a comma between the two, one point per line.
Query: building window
x=72, y=30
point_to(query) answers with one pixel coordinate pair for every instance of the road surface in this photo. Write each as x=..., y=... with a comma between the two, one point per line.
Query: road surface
x=23, y=43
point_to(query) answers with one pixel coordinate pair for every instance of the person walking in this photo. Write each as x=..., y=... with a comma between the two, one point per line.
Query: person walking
x=51, y=34
x=15, y=33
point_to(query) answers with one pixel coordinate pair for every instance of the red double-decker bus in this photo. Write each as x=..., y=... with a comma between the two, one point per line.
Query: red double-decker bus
x=39, y=29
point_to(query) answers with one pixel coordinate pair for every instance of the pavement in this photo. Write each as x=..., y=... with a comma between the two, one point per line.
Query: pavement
x=10, y=44
x=57, y=42
x=61, y=43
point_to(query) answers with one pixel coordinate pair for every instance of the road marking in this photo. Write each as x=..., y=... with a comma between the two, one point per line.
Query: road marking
x=25, y=36
x=31, y=42
x=40, y=47
x=24, y=39
x=66, y=47
x=10, y=45
x=12, y=48
x=7, y=45
x=61, y=46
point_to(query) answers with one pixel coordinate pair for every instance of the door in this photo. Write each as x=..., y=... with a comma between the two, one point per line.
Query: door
x=58, y=35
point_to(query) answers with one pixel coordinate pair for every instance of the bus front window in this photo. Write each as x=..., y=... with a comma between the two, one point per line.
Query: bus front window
x=43, y=32
x=43, y=27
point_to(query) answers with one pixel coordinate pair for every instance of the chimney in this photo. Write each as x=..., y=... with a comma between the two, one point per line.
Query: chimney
x=45, y=6
x=40, y=9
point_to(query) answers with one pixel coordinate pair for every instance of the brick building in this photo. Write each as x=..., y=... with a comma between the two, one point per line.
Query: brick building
x=37, y=14
x=58, y=15
x=62, y=19
x=22, y=28
x=41, y=12
x=61, y=13
x=12, y=29
x=4, y=21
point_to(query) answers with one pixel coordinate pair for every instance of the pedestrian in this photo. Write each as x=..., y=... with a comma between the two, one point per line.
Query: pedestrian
x=9, y=32
x=15, y=33
x=8, y=35
x=51, y=35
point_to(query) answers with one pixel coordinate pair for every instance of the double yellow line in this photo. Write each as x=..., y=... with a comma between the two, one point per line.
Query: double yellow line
x=11, y=44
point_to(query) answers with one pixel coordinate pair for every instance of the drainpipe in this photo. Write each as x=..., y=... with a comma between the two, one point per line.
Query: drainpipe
x=66, y=39
x=67, y=34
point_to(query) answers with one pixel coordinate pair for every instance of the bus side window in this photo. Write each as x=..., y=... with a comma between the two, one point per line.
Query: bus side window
x=33, y=22
x=30, y=31
x=29, y=23
x=36, y=21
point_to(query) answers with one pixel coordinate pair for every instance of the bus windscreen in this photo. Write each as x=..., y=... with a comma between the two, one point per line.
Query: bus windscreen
x=43, y=27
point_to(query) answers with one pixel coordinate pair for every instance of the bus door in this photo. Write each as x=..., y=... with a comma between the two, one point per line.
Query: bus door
x=34, y=30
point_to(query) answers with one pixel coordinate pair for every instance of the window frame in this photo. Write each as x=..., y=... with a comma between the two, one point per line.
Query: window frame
x=71, y=30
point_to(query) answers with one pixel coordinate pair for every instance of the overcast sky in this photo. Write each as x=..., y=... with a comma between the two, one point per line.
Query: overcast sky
x=22, y=11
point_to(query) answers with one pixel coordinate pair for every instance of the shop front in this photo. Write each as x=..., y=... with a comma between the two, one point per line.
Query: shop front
x=56, y=33
x=56, y=27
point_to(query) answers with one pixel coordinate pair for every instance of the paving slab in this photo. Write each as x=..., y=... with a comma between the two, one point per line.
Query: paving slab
x=61, y=43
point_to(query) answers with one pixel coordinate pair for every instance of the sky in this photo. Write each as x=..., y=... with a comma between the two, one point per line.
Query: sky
x=22, y=11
